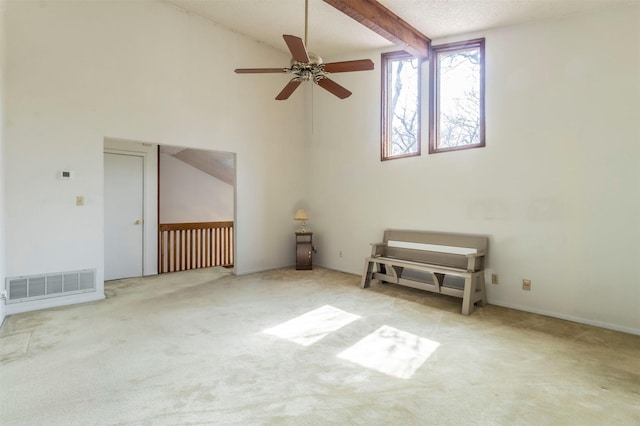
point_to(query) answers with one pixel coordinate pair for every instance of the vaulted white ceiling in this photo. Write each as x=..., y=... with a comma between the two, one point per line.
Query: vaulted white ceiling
x=332, y=33
x=218, y=164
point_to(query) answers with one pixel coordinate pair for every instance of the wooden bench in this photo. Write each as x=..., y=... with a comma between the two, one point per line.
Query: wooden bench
x=405, y=255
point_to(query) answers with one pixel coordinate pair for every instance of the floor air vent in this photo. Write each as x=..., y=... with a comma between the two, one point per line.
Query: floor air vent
x=34, y=287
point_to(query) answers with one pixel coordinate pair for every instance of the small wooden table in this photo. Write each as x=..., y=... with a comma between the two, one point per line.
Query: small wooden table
x=304, y=250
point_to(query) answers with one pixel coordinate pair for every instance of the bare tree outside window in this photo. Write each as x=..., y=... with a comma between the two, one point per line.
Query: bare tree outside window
x=456, y=100
x=400, y=105
x=457, y=96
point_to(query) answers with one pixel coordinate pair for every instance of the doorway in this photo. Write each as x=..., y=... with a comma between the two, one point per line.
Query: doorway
x=196, y=208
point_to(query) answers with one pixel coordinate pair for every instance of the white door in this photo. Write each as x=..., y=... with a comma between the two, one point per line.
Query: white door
x=123, y=213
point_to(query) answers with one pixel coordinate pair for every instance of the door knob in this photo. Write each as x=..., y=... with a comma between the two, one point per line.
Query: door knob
x=138, y=222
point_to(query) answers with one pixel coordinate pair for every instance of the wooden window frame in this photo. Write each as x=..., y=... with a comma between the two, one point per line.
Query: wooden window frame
x=434, y=96
x=385, y=145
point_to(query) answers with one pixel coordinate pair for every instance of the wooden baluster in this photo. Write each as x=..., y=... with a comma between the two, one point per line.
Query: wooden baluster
x=165, y=267
x=226, y=247
x=224, y=244
x=190, y=263
x=176, y=235
x=188, y=260
x=199, y=253
x=214, y=247
x=218, y=250
x=160, y=252
x=182, y=250
x=223, y=247
x=205, y=247
x=208, y=255
x=202, y=235
x=175, y=250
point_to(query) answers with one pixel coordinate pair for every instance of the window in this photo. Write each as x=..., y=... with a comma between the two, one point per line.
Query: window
x=456, y=96
x=400, y=105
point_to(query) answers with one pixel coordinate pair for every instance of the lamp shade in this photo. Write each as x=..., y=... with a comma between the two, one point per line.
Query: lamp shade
x=301, y=215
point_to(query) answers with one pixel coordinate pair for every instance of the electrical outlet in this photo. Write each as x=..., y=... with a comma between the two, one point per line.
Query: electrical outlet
x=79, y=200
x=526, y=285
x=494, y=279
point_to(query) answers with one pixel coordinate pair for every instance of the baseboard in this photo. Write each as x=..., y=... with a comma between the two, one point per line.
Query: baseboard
x=256, y=271
x=359, y=273
x=572, y=318
x=53, y=302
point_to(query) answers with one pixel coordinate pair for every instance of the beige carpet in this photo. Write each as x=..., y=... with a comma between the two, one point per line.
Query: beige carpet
x=307, y=347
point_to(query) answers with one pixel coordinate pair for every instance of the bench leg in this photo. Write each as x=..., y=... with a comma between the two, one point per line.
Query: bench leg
x=368, y=272
x=483, y=290
x=474, y=292
x=468, y=295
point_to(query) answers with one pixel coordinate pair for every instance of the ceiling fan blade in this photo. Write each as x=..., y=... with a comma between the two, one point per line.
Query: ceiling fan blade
x=348, y=66
x=333, y=87
x=296, y=47
x=259, y=70
x=288, y=90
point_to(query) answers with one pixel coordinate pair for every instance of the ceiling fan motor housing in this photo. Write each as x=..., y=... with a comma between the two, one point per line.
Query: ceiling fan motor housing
x=306, y=71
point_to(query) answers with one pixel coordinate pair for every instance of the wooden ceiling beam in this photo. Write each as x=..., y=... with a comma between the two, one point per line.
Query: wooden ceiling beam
x=384, y=22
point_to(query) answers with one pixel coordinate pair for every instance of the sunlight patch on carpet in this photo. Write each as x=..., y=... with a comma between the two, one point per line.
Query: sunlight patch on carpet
x=391, y=351
x=308, y=328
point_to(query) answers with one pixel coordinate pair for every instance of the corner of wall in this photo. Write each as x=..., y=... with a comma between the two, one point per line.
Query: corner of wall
x=2, y=238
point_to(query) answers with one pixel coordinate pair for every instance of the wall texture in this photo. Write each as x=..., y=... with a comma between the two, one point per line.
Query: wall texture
x=557, y=187
x=190, y=195
x=80, y=72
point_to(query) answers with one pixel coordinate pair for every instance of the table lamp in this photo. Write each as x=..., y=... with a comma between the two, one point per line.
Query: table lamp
x=301, y=215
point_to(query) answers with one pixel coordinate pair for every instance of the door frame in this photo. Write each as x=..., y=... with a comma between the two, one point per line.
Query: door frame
x=149, y=153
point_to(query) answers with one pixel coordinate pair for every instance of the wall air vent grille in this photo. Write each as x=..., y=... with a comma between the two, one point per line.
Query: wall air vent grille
x=35, y=287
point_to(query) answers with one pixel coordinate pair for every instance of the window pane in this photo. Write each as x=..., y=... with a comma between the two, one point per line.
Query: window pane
x=403, y=106
x=459, y=118
x=457, y=96
x=400, y=108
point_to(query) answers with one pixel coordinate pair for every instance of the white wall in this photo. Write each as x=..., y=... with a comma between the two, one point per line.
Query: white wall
x=191, y=195
x=557, y=187
x=78, y=72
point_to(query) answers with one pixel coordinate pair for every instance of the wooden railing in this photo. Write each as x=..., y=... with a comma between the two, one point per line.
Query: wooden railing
x=183, y=246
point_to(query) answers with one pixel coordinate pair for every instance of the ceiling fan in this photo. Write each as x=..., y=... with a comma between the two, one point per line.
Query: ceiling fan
x=307, y=66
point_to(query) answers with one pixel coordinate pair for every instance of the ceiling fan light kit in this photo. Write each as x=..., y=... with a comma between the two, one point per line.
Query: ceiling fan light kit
x=307, y=66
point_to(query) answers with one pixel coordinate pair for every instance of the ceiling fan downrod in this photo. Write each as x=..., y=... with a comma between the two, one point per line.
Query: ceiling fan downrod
x=306, y=21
